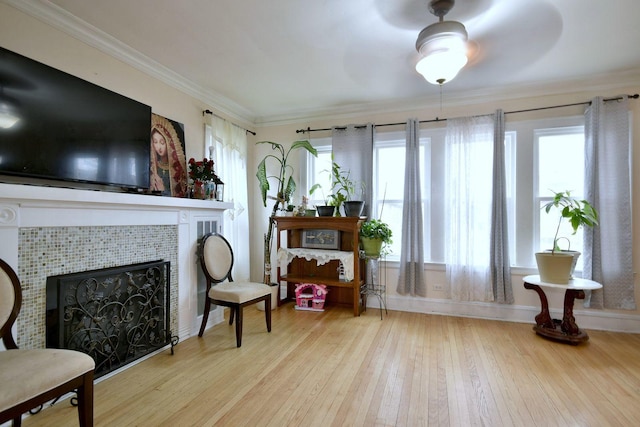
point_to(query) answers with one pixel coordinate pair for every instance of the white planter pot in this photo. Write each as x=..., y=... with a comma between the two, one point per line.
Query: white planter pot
x=555, y=267
x=274, y=299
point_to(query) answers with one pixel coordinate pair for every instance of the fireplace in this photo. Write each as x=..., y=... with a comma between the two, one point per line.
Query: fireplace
x=116, y=315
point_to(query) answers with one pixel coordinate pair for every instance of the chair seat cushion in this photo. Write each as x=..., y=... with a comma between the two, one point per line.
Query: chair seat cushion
x=239, y=292
x=25, y=374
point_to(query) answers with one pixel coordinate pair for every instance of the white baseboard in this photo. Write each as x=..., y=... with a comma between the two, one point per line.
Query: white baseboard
x=587, y=319
x=216, y=316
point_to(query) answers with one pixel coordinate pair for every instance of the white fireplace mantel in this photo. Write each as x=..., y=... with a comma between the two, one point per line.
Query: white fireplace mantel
x=26, y=206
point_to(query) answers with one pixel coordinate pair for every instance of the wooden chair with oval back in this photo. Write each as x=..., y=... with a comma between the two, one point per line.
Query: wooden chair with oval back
x=216, y=260
x=30, y=378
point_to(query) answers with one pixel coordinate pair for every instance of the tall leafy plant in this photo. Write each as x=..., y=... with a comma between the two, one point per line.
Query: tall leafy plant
x=343, y=188
x=285, y=187
x=577, y=212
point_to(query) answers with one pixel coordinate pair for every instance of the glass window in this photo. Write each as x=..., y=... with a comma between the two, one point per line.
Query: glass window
x=388, y=175
x=560, y=167
x=541, y=156
x=319, y=172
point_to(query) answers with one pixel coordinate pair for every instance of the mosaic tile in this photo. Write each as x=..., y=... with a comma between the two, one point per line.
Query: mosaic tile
x=50, y=251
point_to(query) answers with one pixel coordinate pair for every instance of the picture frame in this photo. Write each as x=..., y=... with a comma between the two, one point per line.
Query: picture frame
x=168, y=164
x=320, y=239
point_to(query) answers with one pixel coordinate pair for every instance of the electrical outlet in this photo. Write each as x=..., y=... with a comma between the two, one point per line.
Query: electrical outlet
x=438, y=287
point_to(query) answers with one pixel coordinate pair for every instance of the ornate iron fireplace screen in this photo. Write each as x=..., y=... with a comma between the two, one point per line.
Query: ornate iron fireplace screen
x=116, y=315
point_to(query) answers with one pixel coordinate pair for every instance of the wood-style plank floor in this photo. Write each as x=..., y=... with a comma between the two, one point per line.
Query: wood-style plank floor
x=332, y=369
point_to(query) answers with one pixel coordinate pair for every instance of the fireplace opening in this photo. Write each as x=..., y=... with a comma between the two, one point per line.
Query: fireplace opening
x=115, y=315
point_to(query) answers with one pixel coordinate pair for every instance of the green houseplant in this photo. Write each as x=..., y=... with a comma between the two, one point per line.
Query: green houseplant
x=375, y=236
x=344, y=190
x=323, y=210
x=556, y=265
x=285, y=187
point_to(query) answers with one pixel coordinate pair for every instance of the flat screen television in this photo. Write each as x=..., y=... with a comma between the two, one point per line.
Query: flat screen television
x=70, y=130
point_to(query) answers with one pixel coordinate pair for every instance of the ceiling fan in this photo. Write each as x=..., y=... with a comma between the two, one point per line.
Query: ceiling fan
x=442, y=46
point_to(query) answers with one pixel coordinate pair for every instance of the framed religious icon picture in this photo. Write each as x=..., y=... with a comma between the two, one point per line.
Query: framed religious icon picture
x=168, y=166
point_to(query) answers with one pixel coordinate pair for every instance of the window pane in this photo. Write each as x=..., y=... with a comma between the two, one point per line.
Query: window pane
x=389, y=170
x=392, y=215
x=560, y=168
x=320, y=173
x=561, y=164
x=391, y=173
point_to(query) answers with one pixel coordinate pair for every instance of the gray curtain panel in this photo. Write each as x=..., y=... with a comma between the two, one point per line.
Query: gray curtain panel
x=411, y=276
x=608, y=247
x=499, y=251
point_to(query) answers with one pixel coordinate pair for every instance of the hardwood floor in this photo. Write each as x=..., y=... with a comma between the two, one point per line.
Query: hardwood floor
x=330, y=368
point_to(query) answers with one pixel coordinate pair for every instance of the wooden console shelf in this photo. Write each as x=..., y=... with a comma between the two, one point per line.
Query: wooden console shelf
x=346, y=291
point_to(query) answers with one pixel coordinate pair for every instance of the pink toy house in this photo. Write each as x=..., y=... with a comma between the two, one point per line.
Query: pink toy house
x=310, y=296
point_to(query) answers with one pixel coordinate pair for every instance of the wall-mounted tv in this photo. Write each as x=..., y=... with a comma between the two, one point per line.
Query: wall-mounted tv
x=69, y=129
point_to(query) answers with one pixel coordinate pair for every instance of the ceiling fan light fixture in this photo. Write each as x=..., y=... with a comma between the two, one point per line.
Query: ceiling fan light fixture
x=443, y=47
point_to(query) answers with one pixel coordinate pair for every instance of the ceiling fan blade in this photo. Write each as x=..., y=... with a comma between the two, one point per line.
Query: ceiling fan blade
x=514, y=34
x=415, y=15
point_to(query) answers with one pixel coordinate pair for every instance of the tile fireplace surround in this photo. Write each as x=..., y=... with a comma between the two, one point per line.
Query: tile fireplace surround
x=47, y=231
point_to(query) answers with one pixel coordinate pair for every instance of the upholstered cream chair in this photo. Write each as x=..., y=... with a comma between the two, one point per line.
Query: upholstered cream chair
x=30, y=378
x=216, y=260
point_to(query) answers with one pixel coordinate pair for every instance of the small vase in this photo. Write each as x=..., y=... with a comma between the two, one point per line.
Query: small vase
x=198, y=190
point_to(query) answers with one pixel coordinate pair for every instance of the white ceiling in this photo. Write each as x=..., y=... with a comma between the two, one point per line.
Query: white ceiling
x=270, y=61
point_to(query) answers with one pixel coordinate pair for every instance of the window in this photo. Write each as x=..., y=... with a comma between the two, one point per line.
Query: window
x=540, y=156
x=560, y=167
x=388, y=186
x=318, y=172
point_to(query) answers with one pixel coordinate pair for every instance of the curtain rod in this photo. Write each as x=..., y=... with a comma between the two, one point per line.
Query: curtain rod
x=634, y=96
x=213, y=114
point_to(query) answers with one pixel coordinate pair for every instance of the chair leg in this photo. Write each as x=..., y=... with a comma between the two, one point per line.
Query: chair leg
x=239, y=327
x=17, y=422
x=85, y=401
x=232, y=314
x=205, y=316
x=267, y=312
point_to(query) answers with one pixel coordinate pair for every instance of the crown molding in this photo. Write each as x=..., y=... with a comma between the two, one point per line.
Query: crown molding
x=591, y=84
x=62, y=20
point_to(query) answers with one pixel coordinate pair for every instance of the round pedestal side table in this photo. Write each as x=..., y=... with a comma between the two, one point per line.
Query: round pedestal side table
x=565, y=330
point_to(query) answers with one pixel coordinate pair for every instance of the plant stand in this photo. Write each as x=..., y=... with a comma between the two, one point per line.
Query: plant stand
x=565, y=330
x=372, y=285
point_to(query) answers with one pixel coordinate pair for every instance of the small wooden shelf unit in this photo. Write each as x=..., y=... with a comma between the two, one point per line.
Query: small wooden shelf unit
x=300, y=270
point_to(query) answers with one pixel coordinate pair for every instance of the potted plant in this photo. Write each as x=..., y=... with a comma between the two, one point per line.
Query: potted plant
x=556, y=265
x=344, y=190
x=290, y=209
x=375, y=237
x=201, y=173
x=323, y=210
x=285, y=186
